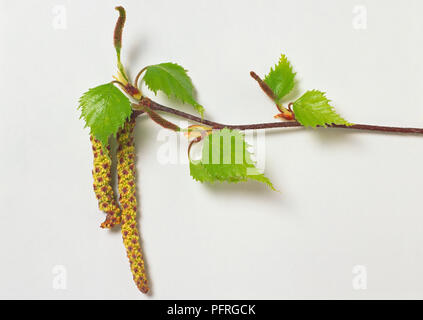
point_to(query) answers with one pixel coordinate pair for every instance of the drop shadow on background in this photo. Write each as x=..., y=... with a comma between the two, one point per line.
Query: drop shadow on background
x=242, y=189
x=325, y=136
x=344, y=136
x=332, y=137
x=135, y=52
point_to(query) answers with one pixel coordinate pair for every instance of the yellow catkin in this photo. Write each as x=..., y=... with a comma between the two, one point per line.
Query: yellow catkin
x=128, y=201
x=102, y=185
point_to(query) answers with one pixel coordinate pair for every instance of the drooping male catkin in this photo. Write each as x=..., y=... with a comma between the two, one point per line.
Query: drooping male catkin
x=102, y=184
x=128, y=201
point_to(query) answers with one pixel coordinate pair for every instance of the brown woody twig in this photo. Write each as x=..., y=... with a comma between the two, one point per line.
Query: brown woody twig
x=267, y=125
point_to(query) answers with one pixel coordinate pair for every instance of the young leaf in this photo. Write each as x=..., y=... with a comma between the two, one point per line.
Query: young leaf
x=199, y=173
x=173, y=80
x=313, y=109
x=105, y=109
x=225, y=158
x=281, y=78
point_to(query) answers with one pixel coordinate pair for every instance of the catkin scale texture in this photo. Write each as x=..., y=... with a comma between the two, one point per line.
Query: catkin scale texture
x=102, y=184
x=128, y=201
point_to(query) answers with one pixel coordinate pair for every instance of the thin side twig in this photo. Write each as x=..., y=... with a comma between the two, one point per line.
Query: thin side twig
x=269, y=125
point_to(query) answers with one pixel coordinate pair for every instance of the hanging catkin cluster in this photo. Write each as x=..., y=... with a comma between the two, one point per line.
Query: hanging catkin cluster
x=128, y=201
x=102, y=184
x=126, y=215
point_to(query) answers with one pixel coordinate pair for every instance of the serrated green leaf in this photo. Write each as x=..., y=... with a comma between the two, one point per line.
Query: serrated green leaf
x=105, y=109
x=281, y=78
x=199, y=173
x=173, y=80
x=225, y=157
x=313, y=109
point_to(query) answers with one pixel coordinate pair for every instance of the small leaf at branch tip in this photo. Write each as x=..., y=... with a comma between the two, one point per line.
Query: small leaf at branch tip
x=281, y=78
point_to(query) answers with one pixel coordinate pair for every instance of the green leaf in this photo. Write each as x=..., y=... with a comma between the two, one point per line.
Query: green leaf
x=281, y=78
x=105, y=109
x=225, y=158
x=313, y=109
x=199, y=173
x=173, y=80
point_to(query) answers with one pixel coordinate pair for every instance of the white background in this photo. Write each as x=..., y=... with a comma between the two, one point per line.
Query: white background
x=347, y=198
